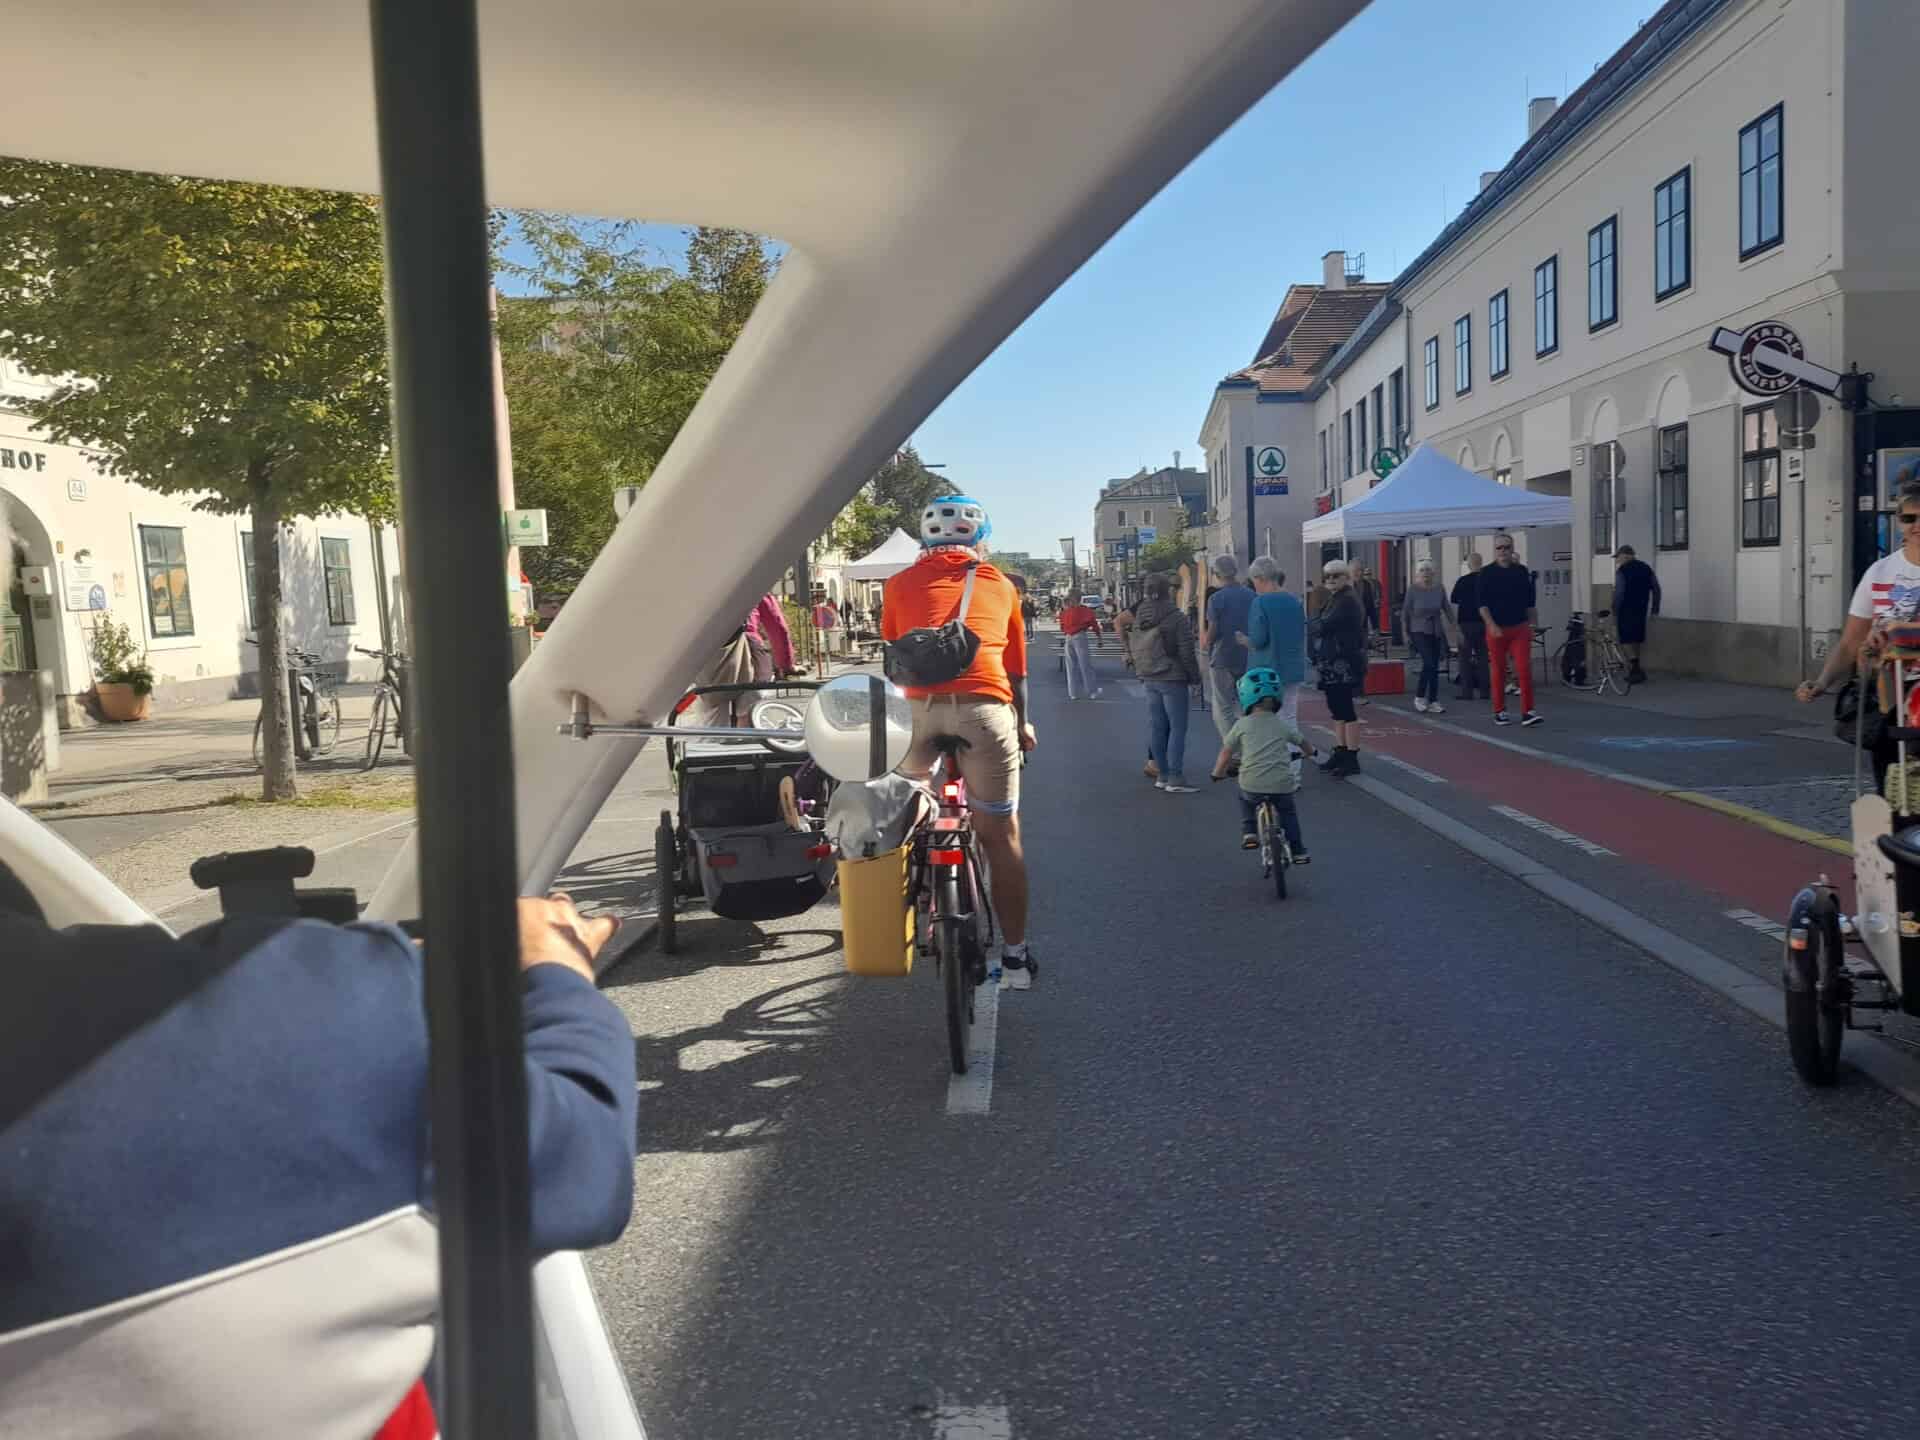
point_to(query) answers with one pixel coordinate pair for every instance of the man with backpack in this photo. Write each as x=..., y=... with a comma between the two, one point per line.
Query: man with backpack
x=1161, y=644
x=958, y=647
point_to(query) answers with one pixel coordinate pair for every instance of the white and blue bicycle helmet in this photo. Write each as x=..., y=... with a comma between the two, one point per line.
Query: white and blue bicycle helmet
x=954, y=520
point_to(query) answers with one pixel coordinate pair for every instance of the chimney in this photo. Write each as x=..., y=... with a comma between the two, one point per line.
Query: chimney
x=1333, y=270
x=1176, y=460
x=1487, y=177
x=1539, y=111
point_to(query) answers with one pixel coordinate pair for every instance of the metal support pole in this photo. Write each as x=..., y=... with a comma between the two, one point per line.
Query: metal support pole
x=426, y=72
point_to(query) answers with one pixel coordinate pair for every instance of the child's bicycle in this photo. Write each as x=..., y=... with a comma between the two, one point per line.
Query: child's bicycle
x=1276, y=856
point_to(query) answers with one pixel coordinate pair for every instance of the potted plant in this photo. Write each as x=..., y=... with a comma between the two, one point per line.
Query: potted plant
x=122, y=678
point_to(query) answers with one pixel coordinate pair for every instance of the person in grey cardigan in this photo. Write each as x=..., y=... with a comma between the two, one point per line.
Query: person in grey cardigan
x=1430, y=628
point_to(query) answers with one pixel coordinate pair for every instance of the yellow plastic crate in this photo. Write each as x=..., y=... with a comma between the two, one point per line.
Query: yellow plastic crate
x=875, y=920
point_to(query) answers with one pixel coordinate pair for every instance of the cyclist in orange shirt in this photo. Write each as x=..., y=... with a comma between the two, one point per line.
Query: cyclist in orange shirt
x=986, y=706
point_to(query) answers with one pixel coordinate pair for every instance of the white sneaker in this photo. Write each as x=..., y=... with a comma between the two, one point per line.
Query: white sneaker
x=1434, y=707
x=1015, y=977
x=1159, y=784
x=1181, y=789
x=1420, y=703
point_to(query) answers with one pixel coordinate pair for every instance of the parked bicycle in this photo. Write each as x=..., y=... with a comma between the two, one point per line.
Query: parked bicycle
x=1592, y=660
x=389, y=705
x=316, y=728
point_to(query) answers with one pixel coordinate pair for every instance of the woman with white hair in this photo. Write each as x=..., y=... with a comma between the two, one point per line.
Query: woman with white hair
x=1429, y=619
x=1343, y=665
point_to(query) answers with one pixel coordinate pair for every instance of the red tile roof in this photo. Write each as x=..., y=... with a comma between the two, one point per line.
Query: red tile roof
x=1310, y=333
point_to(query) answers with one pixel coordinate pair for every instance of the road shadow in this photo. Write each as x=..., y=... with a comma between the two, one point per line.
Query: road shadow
x=733, y=1084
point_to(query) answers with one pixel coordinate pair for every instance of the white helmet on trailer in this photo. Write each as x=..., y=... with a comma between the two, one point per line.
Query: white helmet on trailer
x=954, y=520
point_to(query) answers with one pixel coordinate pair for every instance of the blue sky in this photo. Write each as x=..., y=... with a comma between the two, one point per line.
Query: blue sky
x=1369, y=146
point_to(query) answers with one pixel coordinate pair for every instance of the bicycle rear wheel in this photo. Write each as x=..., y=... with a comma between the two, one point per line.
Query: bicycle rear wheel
x=950, y=945
x=377, y=729
x=1614, y=673
x=1273, y=850
x=326, y=722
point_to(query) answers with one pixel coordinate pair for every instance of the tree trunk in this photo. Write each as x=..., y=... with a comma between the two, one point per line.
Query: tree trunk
x=277, y=780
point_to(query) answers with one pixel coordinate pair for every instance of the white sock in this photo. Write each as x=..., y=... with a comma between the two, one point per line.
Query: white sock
x=1014, y=954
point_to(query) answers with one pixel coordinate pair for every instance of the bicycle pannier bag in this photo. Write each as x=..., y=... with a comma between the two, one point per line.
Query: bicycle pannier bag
x=936, y=656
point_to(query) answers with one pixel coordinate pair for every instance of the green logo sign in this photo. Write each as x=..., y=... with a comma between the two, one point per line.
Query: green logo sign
x=1383, y=462
x=1271, y=462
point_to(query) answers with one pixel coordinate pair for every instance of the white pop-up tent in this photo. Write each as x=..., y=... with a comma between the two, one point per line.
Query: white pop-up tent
x=1427, y=494
x=895, y=553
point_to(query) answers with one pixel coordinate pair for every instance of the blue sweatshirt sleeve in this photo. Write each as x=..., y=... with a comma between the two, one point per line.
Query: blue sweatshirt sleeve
x=582, y=1111
x=1259, y=635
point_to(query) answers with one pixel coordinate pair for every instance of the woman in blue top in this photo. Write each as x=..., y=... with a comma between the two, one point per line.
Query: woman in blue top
x=1276, y=635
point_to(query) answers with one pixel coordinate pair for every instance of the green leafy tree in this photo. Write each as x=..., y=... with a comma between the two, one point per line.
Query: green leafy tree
x=893, y=499
x=604, y=355
x=227, y=343
x=1168, y=553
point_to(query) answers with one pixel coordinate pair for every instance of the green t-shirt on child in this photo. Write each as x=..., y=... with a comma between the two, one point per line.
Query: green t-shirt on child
x=1260, y=740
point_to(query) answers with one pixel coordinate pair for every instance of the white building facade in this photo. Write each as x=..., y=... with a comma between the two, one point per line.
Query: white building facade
x=1162, y=501
x=88, y=546
x=1259, y=437
x=1739, y=161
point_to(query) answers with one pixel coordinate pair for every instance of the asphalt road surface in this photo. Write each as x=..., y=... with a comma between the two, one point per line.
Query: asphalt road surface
x=1414, y=1153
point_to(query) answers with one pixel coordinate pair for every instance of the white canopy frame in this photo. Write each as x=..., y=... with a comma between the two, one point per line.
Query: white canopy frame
x=887, y=559
x=1427, y=497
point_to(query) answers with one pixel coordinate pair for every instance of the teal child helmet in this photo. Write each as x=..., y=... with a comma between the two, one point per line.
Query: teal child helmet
x=1260, y=684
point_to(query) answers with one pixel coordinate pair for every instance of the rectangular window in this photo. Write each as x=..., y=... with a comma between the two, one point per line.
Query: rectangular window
x=1759, y=476
x=1503, y=476
x=1433, y=372
x=163, y=553
x=1546, y=306
x=247, y=595
x=1497, y=336
x=1146, y=516
x=1603, y=273
x=1326, y=479
x=1120, y=519
x=1463, y=355
x=336, y=559
x=1379, y=416
x=1762, y=179
x=1601, y=465
x=1399, y=383
x=1346, y=444
x=1360, y=435
x=1672, y=255
x=1672, y=517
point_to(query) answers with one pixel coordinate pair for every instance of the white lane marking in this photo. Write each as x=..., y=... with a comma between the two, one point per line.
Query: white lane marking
x=1413, y=770
x=1772, y=929
x=972, y=1093
x=972, y=1422
x=1552, y=832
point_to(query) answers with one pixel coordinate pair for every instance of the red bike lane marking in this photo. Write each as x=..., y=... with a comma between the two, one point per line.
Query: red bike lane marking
x=1729, y=858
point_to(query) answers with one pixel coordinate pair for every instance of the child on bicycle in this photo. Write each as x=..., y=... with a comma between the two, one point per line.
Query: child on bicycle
x=1269, y=750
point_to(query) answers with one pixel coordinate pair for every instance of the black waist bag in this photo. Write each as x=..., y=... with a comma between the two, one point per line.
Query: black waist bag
x=935, y=656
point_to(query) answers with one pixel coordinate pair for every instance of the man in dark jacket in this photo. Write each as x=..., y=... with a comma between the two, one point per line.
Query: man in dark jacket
x=1161, y=642
x=1465, y=600
x=1636, y=590
x=1508, y=608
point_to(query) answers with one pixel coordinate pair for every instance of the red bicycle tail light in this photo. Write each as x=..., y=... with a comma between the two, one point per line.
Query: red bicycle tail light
x=686, y=703
x=947, y=857
x=721, y=860
x=819, y=852
x=950, y=792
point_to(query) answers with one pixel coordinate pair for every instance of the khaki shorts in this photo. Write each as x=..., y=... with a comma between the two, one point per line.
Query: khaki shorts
x=991, y=762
